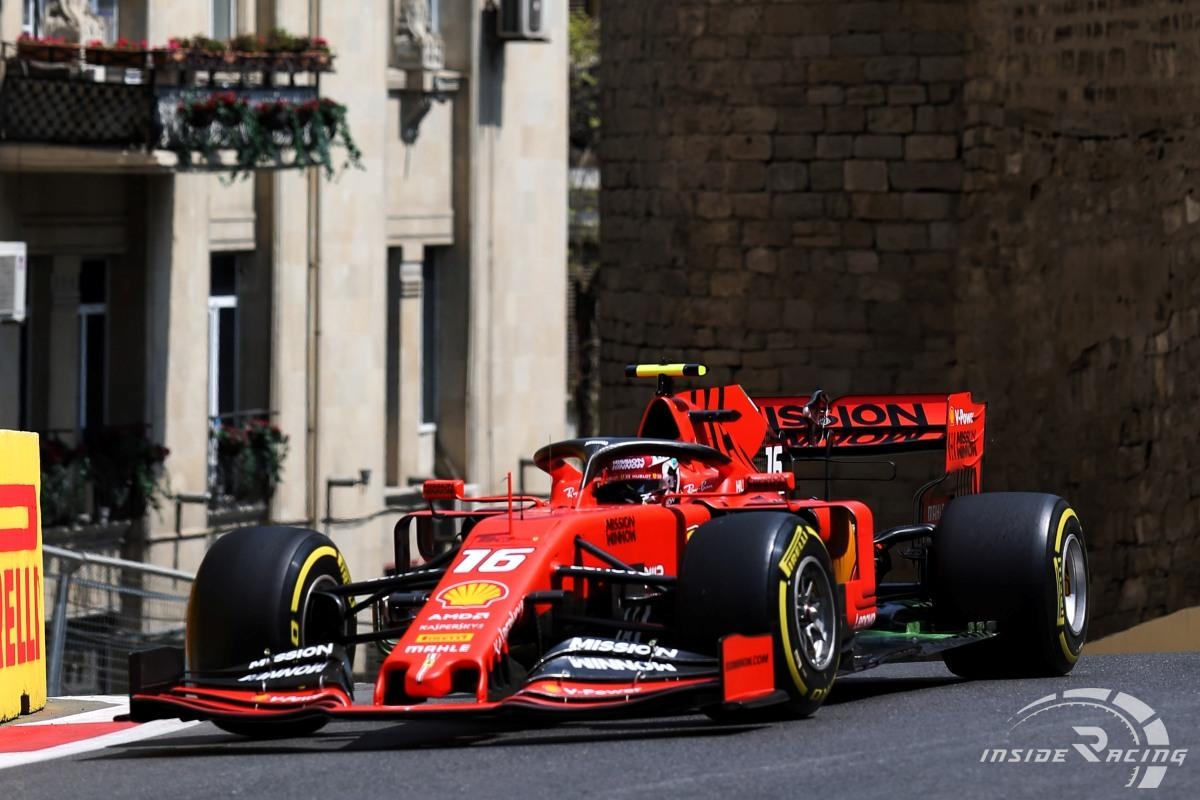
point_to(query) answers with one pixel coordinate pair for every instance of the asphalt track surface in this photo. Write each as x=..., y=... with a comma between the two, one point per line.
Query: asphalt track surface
x=905, y=731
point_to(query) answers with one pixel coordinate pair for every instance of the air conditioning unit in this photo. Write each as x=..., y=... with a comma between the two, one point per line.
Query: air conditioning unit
x=12, y=281
x=522, y=20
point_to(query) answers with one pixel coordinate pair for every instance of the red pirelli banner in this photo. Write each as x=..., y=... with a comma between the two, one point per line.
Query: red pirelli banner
x=22, y=619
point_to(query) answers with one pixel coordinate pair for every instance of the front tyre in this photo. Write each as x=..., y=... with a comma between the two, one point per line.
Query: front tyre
x=766, y=573
x=256, y=592
x=1019, y=559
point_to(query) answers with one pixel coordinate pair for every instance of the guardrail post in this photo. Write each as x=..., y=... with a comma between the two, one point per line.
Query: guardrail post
x=180, y=499
x=58, y=633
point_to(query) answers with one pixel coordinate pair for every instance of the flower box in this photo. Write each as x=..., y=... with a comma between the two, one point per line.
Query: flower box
x=56, y=52
x=111, y=57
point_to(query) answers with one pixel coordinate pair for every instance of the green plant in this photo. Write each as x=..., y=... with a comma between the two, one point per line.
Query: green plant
x=269, y=446
x=125, y=469
x=236, y=128
x=248, y=43
x=120, y=44
x=197, y=42
x=64, y=481
x=584, y=80
x=249, y=459
x=261, y=135
x=327, y=123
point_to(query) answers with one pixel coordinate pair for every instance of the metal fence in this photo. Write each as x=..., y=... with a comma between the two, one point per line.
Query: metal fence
x=102, y=609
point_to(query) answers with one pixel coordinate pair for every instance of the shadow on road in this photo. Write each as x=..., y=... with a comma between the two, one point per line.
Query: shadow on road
x=450, y=734
x=426, y=735
x=847, y=691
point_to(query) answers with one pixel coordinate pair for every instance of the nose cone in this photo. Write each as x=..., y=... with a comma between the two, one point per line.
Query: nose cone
x=432, y=676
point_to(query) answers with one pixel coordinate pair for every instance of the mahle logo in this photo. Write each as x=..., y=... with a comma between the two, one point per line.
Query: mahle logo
x=1101, y=729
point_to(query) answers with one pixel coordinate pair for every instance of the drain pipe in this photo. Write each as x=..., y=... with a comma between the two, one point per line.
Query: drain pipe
x=313, y=316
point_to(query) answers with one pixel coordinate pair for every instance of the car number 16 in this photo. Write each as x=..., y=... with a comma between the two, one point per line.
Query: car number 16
x=506, y=559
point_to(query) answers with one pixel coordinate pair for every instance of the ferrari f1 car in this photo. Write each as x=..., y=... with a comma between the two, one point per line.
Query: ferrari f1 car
x=679, y=568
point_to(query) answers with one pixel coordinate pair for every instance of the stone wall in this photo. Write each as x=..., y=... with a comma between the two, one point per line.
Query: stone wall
x=992, y=195
x=1077, y=308
x=780, y=191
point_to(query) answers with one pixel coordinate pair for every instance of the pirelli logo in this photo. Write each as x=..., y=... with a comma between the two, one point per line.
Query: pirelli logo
x=20, y=585
x=18, y=518
x=791, y=556
x=444, y=638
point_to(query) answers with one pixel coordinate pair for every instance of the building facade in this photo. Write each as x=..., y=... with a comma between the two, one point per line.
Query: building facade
x=401, y=320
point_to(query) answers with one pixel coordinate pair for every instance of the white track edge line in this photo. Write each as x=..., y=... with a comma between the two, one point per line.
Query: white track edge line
x=148, y=730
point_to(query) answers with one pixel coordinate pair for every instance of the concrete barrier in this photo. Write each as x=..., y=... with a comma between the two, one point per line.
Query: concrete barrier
x=22, y=616
x=1174, y=633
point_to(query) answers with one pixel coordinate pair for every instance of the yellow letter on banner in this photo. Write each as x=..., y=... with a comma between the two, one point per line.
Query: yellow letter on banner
x=22, y=622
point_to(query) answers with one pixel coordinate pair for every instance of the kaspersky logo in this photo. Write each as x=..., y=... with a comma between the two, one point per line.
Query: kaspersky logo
x=1098, y=730
x=471, y=594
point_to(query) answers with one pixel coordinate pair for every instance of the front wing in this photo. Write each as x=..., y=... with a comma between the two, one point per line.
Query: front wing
x=161, y=690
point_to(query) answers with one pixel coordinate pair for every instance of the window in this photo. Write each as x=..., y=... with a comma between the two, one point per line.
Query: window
x=107, y=11
x=93, y=342
x=222, y=334
x=31, y=17
x=224, y=18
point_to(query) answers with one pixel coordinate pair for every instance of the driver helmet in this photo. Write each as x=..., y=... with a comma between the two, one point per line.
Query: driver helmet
x=638, y=479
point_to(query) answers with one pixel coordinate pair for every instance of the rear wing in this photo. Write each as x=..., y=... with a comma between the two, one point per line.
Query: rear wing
x=817, y=427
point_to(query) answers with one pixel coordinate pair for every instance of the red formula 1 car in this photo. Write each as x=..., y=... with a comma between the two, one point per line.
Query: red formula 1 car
x=678, y=568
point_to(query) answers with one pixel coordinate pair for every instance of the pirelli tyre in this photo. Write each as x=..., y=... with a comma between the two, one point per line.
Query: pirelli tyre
x=1018, y=559
x=253, y=594
x=766, y=573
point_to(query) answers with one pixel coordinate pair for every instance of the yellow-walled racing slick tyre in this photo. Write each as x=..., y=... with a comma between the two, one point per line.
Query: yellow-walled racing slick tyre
x=253, y=595
x=1018, y=559
x=758, y=573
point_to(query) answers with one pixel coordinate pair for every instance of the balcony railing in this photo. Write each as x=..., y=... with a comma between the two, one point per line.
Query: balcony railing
x=99, y=476
x=246, y=452
x=214, y=110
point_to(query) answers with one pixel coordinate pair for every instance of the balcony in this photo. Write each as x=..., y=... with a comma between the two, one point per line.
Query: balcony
x=197, y=104
x=246, y=452
x=98, y=482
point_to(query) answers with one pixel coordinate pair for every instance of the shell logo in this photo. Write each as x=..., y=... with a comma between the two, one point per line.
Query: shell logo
x=471, y=594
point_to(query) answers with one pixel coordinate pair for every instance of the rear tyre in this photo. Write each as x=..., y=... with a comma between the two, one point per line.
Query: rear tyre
x=765, y=573
x=253, y=595
x=1019, y=559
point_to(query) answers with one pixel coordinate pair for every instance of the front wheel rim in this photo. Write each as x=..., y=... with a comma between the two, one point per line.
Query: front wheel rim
x=306, y=624
x=815, y=613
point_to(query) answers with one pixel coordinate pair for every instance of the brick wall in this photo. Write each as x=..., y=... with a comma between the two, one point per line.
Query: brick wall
x=882, y=196
x=780, y=191
x=1078, y=312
